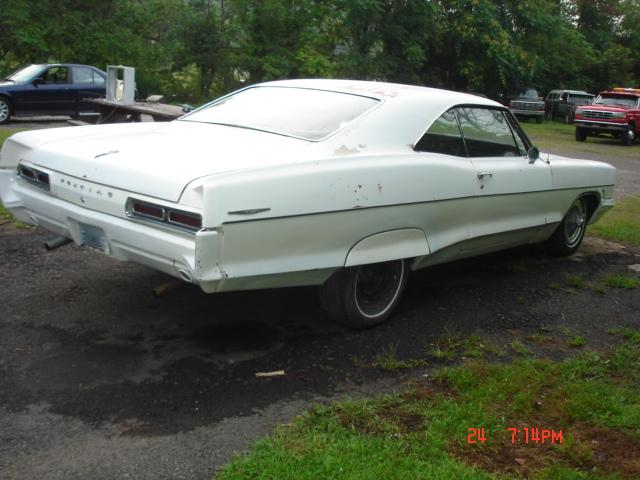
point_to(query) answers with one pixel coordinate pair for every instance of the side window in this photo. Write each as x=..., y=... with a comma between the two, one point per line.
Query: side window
x=82, y=75
x=98, y=79
x=487, y=133
x=56, y=75
x=443, y=136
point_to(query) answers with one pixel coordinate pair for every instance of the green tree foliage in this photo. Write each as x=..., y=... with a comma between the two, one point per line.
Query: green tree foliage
x=193, y=50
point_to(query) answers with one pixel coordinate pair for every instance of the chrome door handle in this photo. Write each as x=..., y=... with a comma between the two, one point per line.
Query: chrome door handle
x=482, y=175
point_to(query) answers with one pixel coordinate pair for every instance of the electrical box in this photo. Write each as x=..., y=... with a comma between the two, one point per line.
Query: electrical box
x=121, y=84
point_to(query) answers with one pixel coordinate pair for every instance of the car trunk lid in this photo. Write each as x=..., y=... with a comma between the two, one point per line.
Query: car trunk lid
x=157, y=160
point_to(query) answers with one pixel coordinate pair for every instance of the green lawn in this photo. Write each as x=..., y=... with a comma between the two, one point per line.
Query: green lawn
x=622, y=223
x=594, y=398
x=4, y=134
x=557, y=137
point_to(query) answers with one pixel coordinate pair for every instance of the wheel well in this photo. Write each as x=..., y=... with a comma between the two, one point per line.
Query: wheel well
x=592, y=200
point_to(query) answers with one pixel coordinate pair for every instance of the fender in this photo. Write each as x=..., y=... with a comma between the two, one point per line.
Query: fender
x=385, y=246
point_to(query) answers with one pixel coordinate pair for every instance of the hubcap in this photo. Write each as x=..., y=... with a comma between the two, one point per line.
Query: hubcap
x=575, y=223
x=4, y=110
x=631, y=134
x=377, y=287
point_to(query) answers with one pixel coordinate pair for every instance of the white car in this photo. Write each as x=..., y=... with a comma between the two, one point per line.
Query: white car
x=343, y=184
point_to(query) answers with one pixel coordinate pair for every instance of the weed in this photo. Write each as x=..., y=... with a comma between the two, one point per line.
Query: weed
x=388, y=360
x=521, y=349
x=576, y=280
x=577, y=341
x=622, y=281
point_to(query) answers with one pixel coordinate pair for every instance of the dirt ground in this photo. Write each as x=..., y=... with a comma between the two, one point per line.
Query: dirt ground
x=99, y=379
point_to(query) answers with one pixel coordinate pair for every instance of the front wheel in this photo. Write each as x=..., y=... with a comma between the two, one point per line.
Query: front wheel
x=581, y=134
x=628, y=136
x=5, y=110
x=364, y=296
x=569, y=234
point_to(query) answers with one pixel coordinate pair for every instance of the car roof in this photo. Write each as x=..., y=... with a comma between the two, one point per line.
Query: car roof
x=67, y=65
x=386, y=91
x=581, y=92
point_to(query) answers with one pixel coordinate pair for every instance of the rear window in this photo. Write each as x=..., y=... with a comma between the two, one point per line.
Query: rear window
x=296, y=112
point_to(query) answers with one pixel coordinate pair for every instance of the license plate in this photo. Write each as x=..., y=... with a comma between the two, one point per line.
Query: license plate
x=93, y=237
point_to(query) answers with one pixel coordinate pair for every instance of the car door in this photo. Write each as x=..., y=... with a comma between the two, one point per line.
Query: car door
x=512, y=193
x=447, y=181
x=87, y=83
x=52, y=93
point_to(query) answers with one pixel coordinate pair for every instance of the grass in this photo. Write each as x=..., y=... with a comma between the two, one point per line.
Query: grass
x=556, y=137
x=521, y=349
x=622, y=281
x=594, y=398
x=621, y=223
x=5, y=216
x=576, y=341
x=388, y=360
x=6, y=133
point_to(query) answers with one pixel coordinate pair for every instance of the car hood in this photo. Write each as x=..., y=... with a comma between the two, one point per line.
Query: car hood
x=153, y=159
x=607, y=108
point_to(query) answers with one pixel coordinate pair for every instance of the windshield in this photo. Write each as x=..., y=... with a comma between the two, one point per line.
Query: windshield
x=620, y=101
x=580, y=99
x=529, y=93
x=26, y=73
x=295, y=112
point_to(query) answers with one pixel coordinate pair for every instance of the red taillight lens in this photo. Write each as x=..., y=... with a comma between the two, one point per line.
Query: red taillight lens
x=190, y=220
x=42, y=178
x=34, y=176
x=27, y=172
x=148, y=210
x=167, y=216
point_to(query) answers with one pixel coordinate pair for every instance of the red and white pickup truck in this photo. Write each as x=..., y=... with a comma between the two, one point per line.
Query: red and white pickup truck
x=615, y=112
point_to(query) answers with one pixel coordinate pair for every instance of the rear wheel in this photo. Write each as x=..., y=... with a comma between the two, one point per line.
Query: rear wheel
x=628, y=136
x=569, y=234
x=581, y=134
x=364, y=296
x=5, y=110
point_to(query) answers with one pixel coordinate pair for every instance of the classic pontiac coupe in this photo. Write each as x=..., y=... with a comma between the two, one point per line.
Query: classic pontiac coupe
x=343, y=184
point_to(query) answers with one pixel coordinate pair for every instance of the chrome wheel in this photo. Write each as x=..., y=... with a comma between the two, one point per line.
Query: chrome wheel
x=364, y=296
x=377, y=287
x=5, y=111
x=575, y=223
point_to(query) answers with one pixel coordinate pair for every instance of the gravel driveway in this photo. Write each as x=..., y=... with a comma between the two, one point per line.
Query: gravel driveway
x=99, y=379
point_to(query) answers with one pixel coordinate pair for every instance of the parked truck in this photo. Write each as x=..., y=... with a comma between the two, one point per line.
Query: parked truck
x=614, y=112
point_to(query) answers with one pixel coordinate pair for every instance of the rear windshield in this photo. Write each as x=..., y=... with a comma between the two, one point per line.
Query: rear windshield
x=296, y=112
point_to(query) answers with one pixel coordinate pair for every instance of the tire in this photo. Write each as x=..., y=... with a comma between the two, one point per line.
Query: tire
x=364, y=296
x=581, y=134
x=5, y=110
x=568, y=118
x=568, y=236
x=628, y=136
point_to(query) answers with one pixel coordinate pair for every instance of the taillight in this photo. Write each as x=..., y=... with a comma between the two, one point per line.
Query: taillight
x=165, y=215
x=184, y=219
x=34, y=176
x=148, y=210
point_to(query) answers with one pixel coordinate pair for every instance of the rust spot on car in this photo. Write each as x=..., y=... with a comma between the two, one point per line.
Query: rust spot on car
x=344, y=150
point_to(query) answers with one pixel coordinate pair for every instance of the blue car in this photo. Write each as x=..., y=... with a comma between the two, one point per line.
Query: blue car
x=51, y=89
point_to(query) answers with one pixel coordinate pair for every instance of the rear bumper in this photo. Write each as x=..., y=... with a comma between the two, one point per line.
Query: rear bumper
x=174, y=253
x=600, y=126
